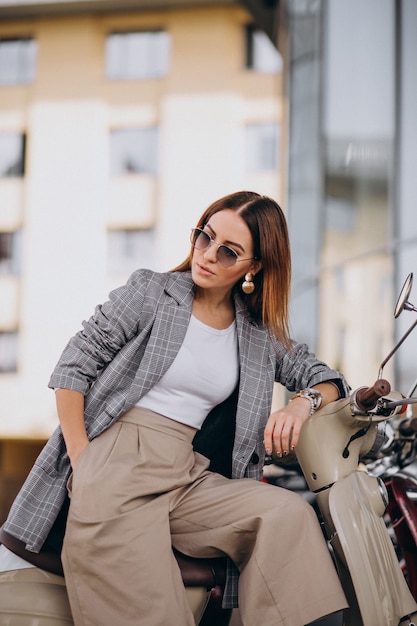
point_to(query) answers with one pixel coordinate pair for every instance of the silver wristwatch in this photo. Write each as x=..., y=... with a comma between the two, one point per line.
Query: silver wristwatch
x=313, y=395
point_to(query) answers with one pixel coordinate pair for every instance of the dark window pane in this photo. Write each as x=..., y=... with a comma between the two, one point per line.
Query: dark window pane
x=9, y=253
x=12, y=154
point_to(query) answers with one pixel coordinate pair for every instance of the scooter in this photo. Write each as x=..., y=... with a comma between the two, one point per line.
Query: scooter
x=352, y=502
x=396, y=465
x=393, y=459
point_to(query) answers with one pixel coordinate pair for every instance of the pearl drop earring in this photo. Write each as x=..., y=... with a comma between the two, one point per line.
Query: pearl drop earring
x=248, y=286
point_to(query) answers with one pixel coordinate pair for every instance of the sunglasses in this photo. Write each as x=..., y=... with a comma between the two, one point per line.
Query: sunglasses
x=226, y=256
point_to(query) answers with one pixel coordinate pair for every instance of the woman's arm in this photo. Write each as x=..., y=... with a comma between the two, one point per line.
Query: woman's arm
x=283, y=428
x=298, y=368
x=113, y=324
x=70, y=406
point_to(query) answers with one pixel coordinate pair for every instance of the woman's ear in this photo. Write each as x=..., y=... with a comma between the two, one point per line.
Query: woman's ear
x=256, y=267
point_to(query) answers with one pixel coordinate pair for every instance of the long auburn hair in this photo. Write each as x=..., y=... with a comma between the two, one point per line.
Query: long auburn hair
x=269, y=303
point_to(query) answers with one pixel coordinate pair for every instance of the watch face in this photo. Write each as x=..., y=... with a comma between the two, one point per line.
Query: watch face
x=314, y=395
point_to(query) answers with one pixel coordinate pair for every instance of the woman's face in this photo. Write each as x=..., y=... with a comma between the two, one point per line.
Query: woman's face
x=228, y=228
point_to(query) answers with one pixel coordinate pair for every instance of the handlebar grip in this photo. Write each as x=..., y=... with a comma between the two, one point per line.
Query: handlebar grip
x=367, y=397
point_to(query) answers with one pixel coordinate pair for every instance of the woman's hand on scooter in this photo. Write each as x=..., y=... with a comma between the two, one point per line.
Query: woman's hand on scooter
x=283, y=427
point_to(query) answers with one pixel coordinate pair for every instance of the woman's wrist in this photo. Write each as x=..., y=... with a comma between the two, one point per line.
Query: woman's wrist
x=75, y=450
x=313, y=396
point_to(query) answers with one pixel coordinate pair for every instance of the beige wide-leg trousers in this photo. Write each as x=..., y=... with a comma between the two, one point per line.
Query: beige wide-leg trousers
x=139, y=488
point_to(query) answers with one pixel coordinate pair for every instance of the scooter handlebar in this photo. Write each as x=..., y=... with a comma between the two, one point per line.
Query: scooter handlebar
x=367, y=397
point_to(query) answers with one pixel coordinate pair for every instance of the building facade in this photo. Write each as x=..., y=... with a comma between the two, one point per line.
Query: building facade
x=117, y=129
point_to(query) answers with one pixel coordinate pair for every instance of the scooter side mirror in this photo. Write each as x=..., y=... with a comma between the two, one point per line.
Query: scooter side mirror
x=402, y=302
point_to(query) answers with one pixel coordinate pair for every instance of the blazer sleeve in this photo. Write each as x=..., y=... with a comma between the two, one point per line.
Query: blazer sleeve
x=299, y=368
x=113, y=324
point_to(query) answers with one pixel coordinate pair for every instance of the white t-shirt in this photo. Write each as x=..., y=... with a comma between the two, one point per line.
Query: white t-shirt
x=204, y=373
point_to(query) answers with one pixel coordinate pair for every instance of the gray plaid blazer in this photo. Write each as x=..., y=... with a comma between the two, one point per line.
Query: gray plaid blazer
x=122, y=351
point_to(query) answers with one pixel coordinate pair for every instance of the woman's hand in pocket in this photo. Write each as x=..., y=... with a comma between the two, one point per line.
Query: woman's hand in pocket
x=70, y=406
x=76, y=452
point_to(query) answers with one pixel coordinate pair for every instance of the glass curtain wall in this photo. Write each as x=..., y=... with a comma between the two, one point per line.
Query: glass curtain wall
x=358, y=141
x=342, y=129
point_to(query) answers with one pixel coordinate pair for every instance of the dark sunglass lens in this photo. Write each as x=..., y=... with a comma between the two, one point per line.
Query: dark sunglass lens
x=203, y=240
x=199, y=239
x=226, y=256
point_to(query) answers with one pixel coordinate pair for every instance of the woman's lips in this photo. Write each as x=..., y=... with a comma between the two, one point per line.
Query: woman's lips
x=204, y=270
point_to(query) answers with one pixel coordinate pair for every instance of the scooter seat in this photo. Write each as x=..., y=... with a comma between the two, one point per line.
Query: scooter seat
x=195, y=572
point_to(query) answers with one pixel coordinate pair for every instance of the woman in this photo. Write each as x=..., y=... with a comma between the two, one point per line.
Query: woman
x=134, y=389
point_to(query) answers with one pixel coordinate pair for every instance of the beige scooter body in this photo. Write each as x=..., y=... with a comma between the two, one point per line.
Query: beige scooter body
x=352, y=504
x=34, y=597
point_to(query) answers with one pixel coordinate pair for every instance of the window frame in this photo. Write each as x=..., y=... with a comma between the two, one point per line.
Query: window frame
x=252, y=162
x=257, y=44
x=157, y=45
x=10, y=253
x=5, y=367
x=16, y=169
x=122, y=244
x=24, y=63
x=145, y=154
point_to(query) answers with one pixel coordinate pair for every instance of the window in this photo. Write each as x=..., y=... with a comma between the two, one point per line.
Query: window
x=133, y=151
x=137, y=55
x=130, y=249
x=12, y=154
x=17, y=61
x=261, y=54
x=8, y=352
x=9, y=253
x=262, y=146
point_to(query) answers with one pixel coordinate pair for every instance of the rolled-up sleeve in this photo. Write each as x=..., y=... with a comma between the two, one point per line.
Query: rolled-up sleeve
x=299, y=368
x=113, y=324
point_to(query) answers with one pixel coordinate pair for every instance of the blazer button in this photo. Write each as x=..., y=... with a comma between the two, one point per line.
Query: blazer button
x=254, y=459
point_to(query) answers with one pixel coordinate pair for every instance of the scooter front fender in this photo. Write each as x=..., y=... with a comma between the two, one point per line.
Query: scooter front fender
x=356, y=506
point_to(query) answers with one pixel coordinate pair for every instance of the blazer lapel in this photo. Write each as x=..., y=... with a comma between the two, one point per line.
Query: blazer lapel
x=167, y=335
